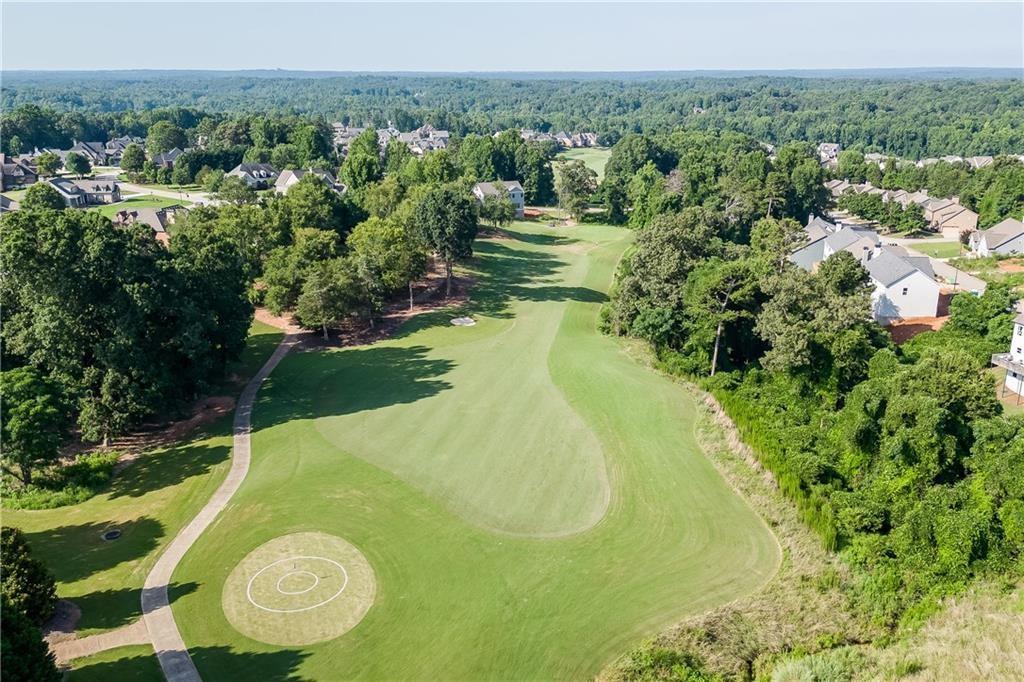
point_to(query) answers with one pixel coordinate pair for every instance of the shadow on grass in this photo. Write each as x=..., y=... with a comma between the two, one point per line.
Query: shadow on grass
x=214, y=663
x=170, y=466
x=78, y=551
x=358, y=379
x=109, y=609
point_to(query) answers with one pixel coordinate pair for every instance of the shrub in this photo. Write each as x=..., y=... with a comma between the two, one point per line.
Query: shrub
x=26, y=584
x=63, y=485
x=24, y=656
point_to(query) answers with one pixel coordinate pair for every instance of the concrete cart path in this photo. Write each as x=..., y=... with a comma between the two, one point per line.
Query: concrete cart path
x=174, y=658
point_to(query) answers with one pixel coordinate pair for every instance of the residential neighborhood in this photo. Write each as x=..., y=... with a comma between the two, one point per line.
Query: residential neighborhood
x=499, y=189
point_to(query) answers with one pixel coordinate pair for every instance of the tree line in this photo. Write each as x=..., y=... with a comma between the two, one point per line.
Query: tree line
x=910, y=117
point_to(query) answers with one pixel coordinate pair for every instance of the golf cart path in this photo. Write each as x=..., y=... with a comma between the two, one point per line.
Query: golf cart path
x=175, y=661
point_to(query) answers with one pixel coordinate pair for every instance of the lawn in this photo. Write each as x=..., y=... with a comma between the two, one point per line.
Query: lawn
x=939, y=249
x=595, y=158
x=532, y=500
x=148, y=201
x=149, y=501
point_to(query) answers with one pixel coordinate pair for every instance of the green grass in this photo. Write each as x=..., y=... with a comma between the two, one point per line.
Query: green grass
x=594, y=158
x=15, y=194
x=1012, y=403
x=939, y=250
x=149, y=201
x=149, y=501
x=124, y=664
x=532, y=500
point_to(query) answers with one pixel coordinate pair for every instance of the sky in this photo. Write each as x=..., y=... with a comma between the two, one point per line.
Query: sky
x=523, y=36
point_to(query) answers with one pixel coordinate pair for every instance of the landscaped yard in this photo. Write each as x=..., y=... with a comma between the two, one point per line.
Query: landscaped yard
x=15, y=194
x=531, y=500
x=938, y=249
x=148, y=201
x=595, y=158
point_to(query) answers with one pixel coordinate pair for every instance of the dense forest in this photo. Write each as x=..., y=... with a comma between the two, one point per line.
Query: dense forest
x=911, y=118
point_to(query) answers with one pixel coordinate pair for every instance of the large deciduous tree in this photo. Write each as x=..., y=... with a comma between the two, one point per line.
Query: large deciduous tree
x=77, y=164
x=575, y=185
x=447, y=221
x=26, y=584
x=163, y=136
x=33, y=422
x=132, y=158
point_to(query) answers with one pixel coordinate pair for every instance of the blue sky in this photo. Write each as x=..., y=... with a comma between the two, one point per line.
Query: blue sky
x=523, y=36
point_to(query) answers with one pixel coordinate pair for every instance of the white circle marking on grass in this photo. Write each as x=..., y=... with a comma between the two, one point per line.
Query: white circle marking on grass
x=316, y=581
x=248, y=587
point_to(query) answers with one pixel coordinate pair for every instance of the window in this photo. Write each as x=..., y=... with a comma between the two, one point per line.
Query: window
x=905, y=291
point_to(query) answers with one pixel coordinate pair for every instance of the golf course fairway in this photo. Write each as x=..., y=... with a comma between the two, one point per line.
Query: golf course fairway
x=530, y=499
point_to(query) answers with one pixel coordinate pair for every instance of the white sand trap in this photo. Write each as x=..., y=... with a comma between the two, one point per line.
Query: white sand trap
x=463, y=321
x=299, y=589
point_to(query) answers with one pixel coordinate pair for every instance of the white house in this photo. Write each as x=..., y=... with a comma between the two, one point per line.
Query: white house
x=1013, y=362
x=289, y=178
x=483, y=190
x=1002, y=239
x=905, y=286
x=255, y=175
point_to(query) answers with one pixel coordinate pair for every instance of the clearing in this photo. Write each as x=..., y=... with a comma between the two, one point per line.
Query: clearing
x=530, y=499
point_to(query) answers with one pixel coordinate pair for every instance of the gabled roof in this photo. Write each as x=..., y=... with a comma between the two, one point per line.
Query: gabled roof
x=492, y=189
x=1002, y=232
x=887, y=269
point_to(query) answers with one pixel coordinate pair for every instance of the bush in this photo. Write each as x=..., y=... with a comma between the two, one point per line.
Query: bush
x=24, y=656
x=26, y=584
x=62, y=485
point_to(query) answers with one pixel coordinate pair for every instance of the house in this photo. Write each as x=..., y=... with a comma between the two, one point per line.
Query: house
x=15, y=173
x=156, y=218
x=288, y=178
x=483, y=190
x=115, y=148
x=837, y=187
x=979, y=161
x=905, y=286
x=1003, y=239
x=343, y=135
x=82, y=193
x=949, y=216
x=7, y=204
x=95, y=152
x=1013, y=362
x=828, y=153
x=255, y=175
x=167, y=159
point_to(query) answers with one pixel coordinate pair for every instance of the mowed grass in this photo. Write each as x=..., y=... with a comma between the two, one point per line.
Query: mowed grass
x=595, y=158
x=148, y=201
x=149, y=502
x=532, y=500
x=939, y=249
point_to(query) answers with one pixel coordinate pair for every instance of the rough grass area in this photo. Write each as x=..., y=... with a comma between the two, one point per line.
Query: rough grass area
x=148, y=201
x=1005, y=270
x=124, y=664
x=595, y=158
x=532, y=501
x=804, y=608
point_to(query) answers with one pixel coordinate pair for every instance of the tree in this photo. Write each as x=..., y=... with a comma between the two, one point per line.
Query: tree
x=14, y=145
x=33, y=422
x=717, y=294
x=132, y=158
x=575, y=184
x=447, y=221
x=328, y=294
x=47, y=164
x=285, y=270
x=42, y=196
x=24, y=656
x=234, y=190
x=180, y=175
x=386, y=259
x=163, y=136
x=396, y=153
x=362, y=164
x=77, y=164
x=498, y=209
x=26, y=584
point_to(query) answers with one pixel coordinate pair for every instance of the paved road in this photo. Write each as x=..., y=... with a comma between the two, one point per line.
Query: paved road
x=174, y=658
x=132, y=188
